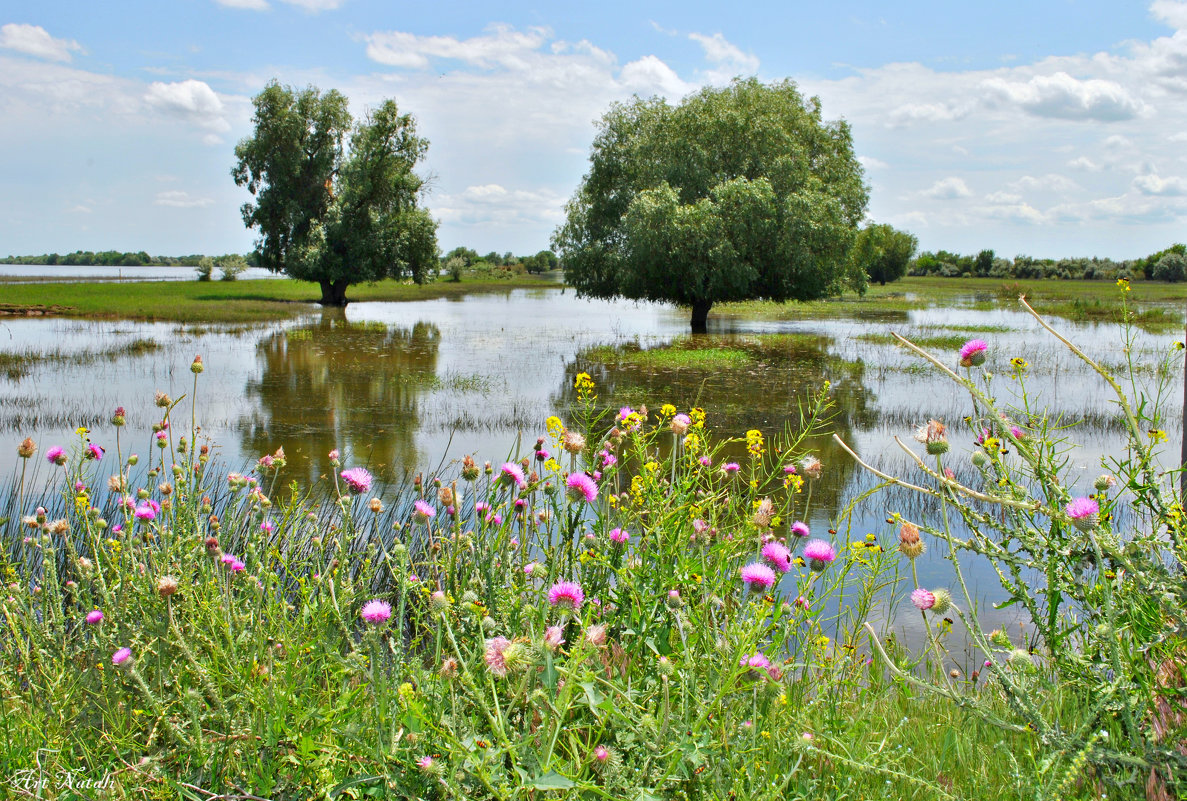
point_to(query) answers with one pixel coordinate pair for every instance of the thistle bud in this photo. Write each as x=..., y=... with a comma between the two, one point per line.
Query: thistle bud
x=196, y=367
x=27, y=448
x=909, y=544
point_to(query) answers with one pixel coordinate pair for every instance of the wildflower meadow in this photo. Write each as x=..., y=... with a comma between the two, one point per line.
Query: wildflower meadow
x=633, y=607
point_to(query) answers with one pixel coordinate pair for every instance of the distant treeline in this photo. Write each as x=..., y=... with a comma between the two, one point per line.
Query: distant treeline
x=115, y=258
x=1165, y=265
x=462, y=260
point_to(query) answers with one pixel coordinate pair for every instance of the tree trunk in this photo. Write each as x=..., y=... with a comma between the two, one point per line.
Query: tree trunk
x=333, y=293
x=700, y=316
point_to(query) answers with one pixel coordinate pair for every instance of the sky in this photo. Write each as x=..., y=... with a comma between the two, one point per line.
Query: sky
x=1050, y=128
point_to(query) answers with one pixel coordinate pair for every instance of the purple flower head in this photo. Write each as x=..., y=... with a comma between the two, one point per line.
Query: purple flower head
x=758, y=577
x=94, y=617
x=731, y=468
x=582, y=487
x=56, y=455
x=94, y=451
x=973, y=353
x=1082, y=507
x=609, y=459
x=423, y=512
x=819, y=553
x=121, y=656
x=566, y=595
x=376, y=611
x=237, y=566
x=800, y=529
x=619, y=536
x=147, y=509
x=357, y=479
x=511, y=473
x=554, y=637
x=923, y=599
x=757, y=664
x=1084, y=512
x=267, y=526
x=777, y=556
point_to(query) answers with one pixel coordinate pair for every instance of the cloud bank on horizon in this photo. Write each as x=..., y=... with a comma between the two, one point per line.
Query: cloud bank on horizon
x=1070, y=153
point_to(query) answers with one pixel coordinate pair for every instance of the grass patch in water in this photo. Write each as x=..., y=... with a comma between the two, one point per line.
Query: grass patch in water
x=450, y=382
x=934, y=341
x=674, y=358
x=17, y=364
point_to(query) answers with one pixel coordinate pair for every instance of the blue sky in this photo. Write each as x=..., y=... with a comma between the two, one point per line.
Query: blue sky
x=1046, y=128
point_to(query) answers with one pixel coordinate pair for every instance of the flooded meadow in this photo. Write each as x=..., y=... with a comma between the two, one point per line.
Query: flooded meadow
x=414, y=386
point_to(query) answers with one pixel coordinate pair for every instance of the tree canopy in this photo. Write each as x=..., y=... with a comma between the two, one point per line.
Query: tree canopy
x=737, y=193
x=327, y=213
x=884, y=252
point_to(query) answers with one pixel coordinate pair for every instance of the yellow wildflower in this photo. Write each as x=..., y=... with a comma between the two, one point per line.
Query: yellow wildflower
x=667, y=410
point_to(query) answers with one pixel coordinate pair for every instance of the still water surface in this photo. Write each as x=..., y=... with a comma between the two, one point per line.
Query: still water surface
x=404, y=387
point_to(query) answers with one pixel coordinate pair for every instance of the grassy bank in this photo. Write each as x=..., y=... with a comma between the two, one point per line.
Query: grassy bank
x=1157, y=305
x=217, y=301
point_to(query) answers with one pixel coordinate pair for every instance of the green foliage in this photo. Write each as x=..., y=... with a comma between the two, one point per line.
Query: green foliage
x=205, y=268
x=327, y=214
x=1098, y=579
x=883, y=252
x=1171, y=267
x=738, y=193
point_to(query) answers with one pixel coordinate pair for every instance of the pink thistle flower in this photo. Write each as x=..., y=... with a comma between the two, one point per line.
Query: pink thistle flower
x=731, y=468
x=56, y=455
x=530, y=568
x=95, y=617
x=789, y=469
x=514, y=542
x=619, y=536
x=237, y=566
x=566, y=595
x=335, y=456
x=800, y=529
x=426, y=764
x=601, y=754
x=267, y=526
x=1084, y=512
x=423, y=512
x=595, y=635
x=923, y=599
x=481, y=506
x=973, y=353
x=757, y=664
x=227, y=559
x=94, y=452
x=495, y=647
x=758, y=577
x=357, y=479
x=581, y=487
x=121, y=656
x=777, y=556
x=511, y=473
x=147, y=509
x=494, y=520
x=609, y=459
x=819, y=554
x=1017, y=432
x=376, y=611
x=553, y=638
x=706, y=461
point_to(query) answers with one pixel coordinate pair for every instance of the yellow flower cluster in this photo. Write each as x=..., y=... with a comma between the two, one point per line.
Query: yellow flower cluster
x=1156, y=435
x=667, y=410
x=754, y=443
x=585, y=387
x=554, y=426
x=1123, y=283
x=692, y=443
x=794, y=482
x=697, y=415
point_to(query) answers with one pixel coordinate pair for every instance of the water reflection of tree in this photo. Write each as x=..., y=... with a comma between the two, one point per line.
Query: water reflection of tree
x=781, y=375
x=338, y=384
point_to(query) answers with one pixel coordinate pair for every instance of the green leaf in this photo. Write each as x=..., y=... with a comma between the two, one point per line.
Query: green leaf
x=553, y=781
x=593, y=697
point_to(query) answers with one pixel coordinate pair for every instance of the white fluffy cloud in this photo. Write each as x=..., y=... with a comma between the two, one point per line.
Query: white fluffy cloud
x=181, y=200
x=33, y=40
x=950, y=188
x=1062, y=96
x=502, y=46
x=251, y=5
x=193, y=101
x=1152, y=184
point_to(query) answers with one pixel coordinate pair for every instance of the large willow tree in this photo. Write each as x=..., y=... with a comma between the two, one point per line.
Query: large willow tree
x=327, y=213
x=738, y=193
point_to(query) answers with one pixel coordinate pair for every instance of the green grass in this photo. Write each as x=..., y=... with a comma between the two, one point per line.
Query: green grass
x=676, y=358
x=217, y=301
x=939, y=342
x=17, y=364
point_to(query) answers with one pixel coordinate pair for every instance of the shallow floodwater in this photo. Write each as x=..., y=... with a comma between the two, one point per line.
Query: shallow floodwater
x=92, y=272
x=405, y=387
